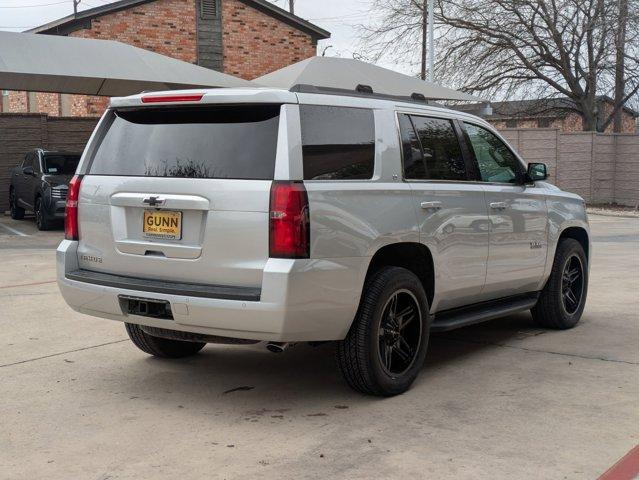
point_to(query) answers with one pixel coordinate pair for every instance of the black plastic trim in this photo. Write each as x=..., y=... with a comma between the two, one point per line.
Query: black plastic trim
x=223, y=292
x=481, y=312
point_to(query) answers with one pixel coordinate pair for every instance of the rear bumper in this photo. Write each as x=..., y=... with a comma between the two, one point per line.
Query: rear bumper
x=299, y=300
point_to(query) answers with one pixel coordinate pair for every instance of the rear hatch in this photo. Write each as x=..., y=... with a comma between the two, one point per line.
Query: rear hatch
x=180, y=193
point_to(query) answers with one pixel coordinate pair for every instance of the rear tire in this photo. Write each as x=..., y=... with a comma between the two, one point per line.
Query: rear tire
x=385, y=348
x=562, y=300
x=161, y=347
x=17, y=213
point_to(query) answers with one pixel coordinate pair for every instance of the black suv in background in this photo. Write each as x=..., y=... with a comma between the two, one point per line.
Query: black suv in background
x=40, y=184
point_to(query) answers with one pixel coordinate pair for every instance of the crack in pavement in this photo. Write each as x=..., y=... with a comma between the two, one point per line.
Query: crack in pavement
x=536, y=350
x=63, y=353
x=45, y=282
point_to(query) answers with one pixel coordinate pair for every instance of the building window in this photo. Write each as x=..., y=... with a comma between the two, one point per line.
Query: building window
x=511, y=123
x=543, y=123
x=208, y=9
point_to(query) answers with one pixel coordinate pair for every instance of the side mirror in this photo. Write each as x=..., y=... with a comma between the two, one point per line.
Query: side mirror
x=536, y=172
x=28, y=171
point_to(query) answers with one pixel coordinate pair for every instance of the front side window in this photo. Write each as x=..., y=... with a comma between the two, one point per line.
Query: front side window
x=235, y=142
x=443, y=159
x=338, y=143
x=495, y=160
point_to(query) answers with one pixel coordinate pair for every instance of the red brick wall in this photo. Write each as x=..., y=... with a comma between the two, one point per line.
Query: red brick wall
x=48, y=103
x=164, y=26
x=256, y=43
x=18, y=102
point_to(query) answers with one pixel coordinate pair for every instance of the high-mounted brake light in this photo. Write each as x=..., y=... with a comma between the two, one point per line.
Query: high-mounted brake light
x=186, y=97
x=289, y=225
x=71, y=229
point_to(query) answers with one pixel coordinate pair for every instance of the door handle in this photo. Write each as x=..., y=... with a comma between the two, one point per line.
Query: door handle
x=499, y=205
x=431, y=205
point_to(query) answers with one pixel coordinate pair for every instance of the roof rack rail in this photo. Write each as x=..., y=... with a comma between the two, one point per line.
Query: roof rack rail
x=363, y=91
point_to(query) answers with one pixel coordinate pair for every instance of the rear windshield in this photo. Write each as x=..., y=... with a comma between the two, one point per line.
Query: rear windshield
x=236, y=142
x=61, y=164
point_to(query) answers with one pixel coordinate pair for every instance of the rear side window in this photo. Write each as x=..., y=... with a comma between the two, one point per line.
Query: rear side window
x=338, y=143
x=442, y=155
x=237, y=142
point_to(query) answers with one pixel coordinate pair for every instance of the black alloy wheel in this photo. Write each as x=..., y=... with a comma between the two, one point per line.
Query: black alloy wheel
x=572, y=284
x=399, y=332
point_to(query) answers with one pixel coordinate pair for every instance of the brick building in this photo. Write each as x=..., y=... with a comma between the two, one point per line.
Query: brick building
x=548, y=113
x=244, y=38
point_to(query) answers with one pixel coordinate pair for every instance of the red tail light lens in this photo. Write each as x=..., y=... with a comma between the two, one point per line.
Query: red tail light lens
x=185, y=97
x=289, y=221
x=71, y=230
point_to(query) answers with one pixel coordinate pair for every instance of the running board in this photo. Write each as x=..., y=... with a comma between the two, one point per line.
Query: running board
x=480, y=312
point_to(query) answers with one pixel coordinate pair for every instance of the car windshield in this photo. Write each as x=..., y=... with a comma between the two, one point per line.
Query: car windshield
x=61, y=164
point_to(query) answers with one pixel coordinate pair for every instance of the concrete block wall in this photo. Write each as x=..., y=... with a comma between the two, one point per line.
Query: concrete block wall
x=600, y=167
x=626, y=184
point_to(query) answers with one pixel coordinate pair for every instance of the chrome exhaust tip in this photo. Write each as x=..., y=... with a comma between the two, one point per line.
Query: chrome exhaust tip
x=277, y=347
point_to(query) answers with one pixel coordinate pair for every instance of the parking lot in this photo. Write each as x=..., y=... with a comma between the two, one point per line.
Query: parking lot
x=498, y=400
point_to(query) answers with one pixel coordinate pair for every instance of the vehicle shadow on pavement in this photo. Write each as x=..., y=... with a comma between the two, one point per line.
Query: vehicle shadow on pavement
x=221, y=376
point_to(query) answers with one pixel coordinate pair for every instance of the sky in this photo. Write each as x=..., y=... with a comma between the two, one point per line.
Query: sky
x=340, y=17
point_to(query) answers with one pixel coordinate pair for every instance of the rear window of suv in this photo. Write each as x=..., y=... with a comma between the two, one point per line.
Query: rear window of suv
x=237, y=142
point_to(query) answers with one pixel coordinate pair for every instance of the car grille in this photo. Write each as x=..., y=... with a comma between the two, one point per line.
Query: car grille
x=59, y=193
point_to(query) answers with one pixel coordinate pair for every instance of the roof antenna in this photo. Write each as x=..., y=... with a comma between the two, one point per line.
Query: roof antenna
x=418, y=96
x=364, y=88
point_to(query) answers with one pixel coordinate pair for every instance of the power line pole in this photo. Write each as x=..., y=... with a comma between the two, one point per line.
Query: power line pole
x=431, y=41
x=424, y=30
x=291, y=6
x=75, y=6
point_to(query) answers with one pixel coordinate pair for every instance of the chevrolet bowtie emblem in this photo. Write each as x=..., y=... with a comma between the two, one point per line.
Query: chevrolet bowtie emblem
x=153, y=201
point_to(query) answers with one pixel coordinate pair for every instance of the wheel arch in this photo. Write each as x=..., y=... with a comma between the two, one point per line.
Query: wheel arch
x=412, y=256
x=577, y=233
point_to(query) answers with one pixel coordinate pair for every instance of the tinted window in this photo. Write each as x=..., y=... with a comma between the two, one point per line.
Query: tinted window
x=442, y=154
x=61, y=164
x=217, y=142
x=337, y=143
x=411, y=150
x=495, y=160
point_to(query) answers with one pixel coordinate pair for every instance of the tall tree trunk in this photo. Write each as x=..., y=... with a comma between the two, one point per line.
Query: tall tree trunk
x=424, y=31
x=620, y=64
x=589, y=113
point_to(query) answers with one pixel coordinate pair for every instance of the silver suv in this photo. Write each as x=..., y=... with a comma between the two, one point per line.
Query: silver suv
x=247, y=215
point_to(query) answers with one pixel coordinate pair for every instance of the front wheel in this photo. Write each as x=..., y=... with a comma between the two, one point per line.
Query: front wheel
x=386, y=345
x=161, y=347
x=562, y=300
x=42, y=220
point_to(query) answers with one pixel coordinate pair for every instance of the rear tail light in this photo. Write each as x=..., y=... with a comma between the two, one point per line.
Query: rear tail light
x=180, y=97
x=289, y=229
x=71, y=230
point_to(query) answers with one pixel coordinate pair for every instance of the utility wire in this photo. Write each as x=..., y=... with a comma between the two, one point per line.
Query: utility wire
x=34, y=6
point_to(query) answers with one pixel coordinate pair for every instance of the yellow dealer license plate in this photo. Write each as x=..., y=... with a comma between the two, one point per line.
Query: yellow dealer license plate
x=165, y=225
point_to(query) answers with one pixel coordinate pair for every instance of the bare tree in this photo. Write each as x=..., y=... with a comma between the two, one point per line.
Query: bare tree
x=578, y=49
x=398, y=33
